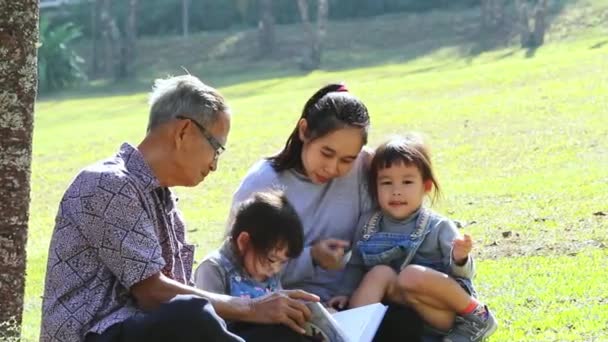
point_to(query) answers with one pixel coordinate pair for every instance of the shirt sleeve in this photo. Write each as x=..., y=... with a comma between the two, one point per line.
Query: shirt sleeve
x=447, y=233
x=209, y=276
x=117, y=224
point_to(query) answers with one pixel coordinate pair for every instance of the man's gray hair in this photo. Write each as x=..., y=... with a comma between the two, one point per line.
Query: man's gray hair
x=184, y=96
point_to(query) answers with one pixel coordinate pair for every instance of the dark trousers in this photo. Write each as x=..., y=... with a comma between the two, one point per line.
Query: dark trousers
x=401, y=324
x=265, y=333
x=192, y=319
x=183, y=319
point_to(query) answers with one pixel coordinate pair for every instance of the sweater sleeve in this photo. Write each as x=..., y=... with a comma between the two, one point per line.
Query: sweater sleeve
x=355, y=268
x=447, y=233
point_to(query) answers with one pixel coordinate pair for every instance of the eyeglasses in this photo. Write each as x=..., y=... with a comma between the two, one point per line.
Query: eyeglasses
x=215, y=144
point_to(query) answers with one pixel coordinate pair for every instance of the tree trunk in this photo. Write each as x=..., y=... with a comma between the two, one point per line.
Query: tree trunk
x=313, y=61
x=185, y=18
x=492, y=14
x=266, y=35
x=130, y=41
x=524, y=23
x=113, y=47
x=95, y=28
x=18, y=38
x=317, y=48
x=486, y=13
x=532, y=37
x=540, y=24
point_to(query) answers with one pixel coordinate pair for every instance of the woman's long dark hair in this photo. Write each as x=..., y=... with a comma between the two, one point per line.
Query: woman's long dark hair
x=329, y=109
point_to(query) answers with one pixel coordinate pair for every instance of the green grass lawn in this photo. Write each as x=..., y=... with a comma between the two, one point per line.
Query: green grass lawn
x=520, y=145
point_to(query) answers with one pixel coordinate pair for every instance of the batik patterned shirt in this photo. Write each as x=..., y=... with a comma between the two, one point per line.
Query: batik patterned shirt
x=115, y=227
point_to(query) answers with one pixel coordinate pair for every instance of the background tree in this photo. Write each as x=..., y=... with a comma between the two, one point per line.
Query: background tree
x=532, y=22
x=95, y=70
x=185, y=18
x=492, y=14
x=266, y=33
x=126, y=62
x=18, y=39
x=110, y=36
x=59, y=66
x=312, y=60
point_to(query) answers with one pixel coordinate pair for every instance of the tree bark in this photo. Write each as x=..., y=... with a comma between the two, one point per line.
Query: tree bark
x=266, y=33
x=18, y=82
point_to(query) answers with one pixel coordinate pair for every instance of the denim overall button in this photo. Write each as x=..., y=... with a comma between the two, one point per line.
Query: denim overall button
x=237, y=278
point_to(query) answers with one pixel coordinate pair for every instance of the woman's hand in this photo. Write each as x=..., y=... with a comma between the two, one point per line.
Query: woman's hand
x=329, y=253
x=338, y=302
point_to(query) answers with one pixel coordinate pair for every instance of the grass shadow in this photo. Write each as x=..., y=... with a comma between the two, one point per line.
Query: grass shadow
x=599, y=45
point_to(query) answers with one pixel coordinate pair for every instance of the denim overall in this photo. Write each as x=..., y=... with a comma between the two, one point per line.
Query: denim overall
x=240, y=285
x=398, y=250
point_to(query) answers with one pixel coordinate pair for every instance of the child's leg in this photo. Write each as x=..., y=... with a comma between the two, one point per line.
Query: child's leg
x=436, y=297
x=374, y=286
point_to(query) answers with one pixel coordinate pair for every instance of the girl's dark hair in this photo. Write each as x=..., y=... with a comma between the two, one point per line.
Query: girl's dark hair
x=270, y=220
x=329, y=109
x=409, y=150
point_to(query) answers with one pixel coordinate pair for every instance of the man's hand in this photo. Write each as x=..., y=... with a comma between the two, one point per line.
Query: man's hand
x=461, y=247
x=329, y=253
x=284, y=307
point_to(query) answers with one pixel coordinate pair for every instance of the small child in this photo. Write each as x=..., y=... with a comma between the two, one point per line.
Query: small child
x=266, y=233
x=415, y=256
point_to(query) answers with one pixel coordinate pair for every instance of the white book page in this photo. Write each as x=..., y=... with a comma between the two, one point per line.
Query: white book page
x=361, y=324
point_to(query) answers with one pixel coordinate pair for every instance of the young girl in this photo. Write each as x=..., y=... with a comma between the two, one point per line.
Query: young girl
x=266, y=233
x=416, y=256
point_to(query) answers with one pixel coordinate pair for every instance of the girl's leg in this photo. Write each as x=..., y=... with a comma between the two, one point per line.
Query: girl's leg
x=374, y=286
x=434, y=295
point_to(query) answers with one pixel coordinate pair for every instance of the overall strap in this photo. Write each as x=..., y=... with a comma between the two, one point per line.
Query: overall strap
x=229, y=269
x=371, y=227
x=417, y=237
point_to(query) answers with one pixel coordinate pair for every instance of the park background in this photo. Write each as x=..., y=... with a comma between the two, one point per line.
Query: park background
x=511, y=95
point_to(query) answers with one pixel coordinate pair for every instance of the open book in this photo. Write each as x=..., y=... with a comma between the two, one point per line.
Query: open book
x=354, y=325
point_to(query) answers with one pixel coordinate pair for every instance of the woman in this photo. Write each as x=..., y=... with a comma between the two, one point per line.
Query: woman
x=322, y=171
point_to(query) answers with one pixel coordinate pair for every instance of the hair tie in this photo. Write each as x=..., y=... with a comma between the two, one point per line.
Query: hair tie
x=342, y=88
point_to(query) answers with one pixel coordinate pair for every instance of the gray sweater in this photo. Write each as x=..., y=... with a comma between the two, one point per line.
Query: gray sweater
x=437, y=247
x=332, y=210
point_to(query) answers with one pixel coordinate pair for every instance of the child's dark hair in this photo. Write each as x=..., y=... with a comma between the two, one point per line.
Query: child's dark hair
x=329, y=109
x=270, y=220
x=409, y=150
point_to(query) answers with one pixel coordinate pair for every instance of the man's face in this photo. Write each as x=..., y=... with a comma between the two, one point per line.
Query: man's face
x=200, y=148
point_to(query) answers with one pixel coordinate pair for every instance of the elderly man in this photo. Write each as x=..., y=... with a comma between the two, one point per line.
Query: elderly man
x=119, y=267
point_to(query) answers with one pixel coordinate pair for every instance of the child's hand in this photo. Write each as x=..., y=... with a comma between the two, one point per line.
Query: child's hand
x=461, y=247
x=338, y=302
